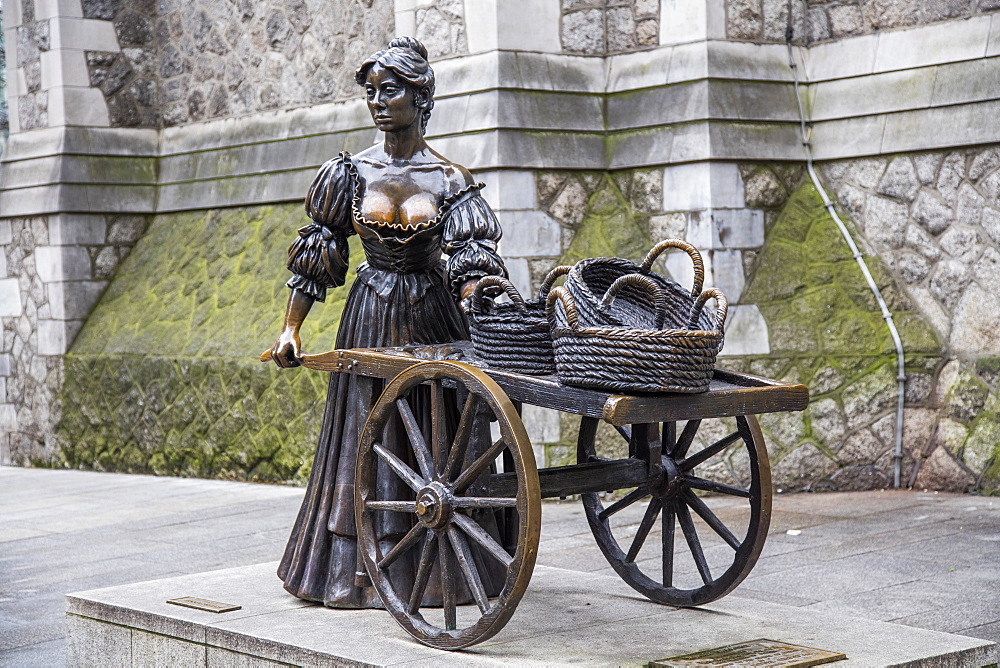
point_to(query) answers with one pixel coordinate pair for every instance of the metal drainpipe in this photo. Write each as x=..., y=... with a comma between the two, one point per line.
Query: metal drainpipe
x=856, y=254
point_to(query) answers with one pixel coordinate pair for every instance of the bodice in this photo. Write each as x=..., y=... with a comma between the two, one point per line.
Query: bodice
x=463, y=227
x=413, y=253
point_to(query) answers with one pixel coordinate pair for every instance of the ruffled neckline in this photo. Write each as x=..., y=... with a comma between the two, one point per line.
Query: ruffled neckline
x=446, y=204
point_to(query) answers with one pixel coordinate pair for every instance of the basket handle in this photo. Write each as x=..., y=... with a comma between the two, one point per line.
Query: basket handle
x=659, y=298
x=699, y=264
x=720, y=313
x=508, y=287
x=550, y=278
x=562, y=295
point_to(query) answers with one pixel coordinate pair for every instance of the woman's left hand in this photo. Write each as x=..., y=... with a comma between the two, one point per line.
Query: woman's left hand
x=465, y=295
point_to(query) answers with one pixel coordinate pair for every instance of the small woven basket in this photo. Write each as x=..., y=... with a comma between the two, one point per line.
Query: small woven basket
x=636, y=359
x=589, y=280
x=513, y=336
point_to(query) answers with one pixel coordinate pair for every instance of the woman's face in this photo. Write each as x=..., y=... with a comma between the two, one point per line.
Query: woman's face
x=394, y=105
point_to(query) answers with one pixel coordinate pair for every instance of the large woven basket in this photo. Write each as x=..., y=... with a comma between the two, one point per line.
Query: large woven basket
x=514, y=335
x=636, y=359
x=590, y=279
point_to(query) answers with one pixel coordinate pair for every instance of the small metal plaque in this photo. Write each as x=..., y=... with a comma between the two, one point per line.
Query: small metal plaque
x=753, y=654
x=203, y=604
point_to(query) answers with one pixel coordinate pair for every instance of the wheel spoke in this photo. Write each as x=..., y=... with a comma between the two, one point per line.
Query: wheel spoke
x=652, y=510
x=412, y=537
x=667, y=527
x=711, y=519
x=470, y=474
x=712, y=486
x=687, y=526
x=408, y=475
x=478, y=534
x=669, y=437
x=483, y=502
x=448, y=586
x=392, y=506
x=624, y=502
x=708, y=453
x=437, y=423
x=461, y=442
x=427, y=553
x=416, y=438
x=685, y=440
x=461, y=547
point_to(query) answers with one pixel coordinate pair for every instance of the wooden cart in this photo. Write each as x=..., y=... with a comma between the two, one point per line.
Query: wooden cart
x=681, y=448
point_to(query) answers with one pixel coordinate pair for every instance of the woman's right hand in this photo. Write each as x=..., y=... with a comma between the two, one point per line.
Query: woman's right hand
x=285, y=351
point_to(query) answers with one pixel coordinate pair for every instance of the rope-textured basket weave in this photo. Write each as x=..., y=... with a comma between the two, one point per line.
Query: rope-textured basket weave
x=590, y=279
x=515, y=335
x=636, y=359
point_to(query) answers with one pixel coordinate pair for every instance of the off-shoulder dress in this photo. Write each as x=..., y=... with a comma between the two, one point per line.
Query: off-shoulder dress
x=404, y=293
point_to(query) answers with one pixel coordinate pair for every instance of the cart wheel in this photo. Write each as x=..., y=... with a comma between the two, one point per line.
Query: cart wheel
x=648, y=562
x=454, y=535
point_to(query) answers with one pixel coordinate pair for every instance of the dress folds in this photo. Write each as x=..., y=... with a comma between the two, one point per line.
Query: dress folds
x=404, y=294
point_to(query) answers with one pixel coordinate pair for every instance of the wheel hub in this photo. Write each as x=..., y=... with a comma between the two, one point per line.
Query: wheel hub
x=667, y=483
x=434, y=505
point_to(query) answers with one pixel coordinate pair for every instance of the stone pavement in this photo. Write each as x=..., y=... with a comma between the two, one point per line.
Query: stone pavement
x=922, y=559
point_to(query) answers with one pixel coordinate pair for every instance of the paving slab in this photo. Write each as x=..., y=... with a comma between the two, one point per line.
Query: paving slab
x=564, y=618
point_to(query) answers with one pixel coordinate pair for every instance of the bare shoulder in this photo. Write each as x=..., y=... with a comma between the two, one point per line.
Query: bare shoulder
x=457, y=176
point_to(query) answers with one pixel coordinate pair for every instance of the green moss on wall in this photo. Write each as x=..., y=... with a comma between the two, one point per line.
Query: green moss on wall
x=206, y=284
x=610, y=228
x=164, y=376
x=826, y=331
x=814, y=297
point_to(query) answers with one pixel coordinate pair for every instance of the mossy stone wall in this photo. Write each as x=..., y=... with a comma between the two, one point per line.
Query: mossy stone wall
x=825, y=330
x=164, y=377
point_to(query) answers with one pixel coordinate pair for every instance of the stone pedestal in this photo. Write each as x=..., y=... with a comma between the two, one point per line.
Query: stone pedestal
x=565, y=617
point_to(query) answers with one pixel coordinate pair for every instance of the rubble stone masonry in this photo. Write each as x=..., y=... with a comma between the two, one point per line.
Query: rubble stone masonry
x=816, y=21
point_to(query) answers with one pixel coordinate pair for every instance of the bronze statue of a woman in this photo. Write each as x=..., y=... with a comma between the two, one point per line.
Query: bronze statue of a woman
x=407, y=203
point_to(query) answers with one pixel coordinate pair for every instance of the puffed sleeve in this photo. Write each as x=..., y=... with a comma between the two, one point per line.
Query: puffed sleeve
x=318, y=257
x=470, y=236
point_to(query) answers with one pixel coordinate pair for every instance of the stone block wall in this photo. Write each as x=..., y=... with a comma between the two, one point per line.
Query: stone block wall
x=164, y=378
x=602, y=27
x=32, y=41
x=832, y=20
x=826, y=331
x=801, y=311
x=188, y=400
x=161, y=64
x=56, y=268
x=767, y=20
x=440, y=26
x=934, y=219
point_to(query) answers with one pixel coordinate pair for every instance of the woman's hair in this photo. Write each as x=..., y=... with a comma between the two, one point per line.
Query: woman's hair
x=407, y=58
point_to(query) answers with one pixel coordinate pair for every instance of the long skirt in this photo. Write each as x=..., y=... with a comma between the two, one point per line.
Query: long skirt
x=320, y=559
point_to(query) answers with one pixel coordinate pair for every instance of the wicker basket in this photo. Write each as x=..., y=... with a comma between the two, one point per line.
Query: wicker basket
x=590, y=279
x=513, y=336
x=636, y=359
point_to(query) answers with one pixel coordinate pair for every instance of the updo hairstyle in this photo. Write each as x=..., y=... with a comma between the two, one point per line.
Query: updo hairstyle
x=407, y=58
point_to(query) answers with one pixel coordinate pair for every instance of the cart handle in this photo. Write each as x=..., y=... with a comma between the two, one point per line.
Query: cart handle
x=659, y=298
x=699, y=264
x=699, y=305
